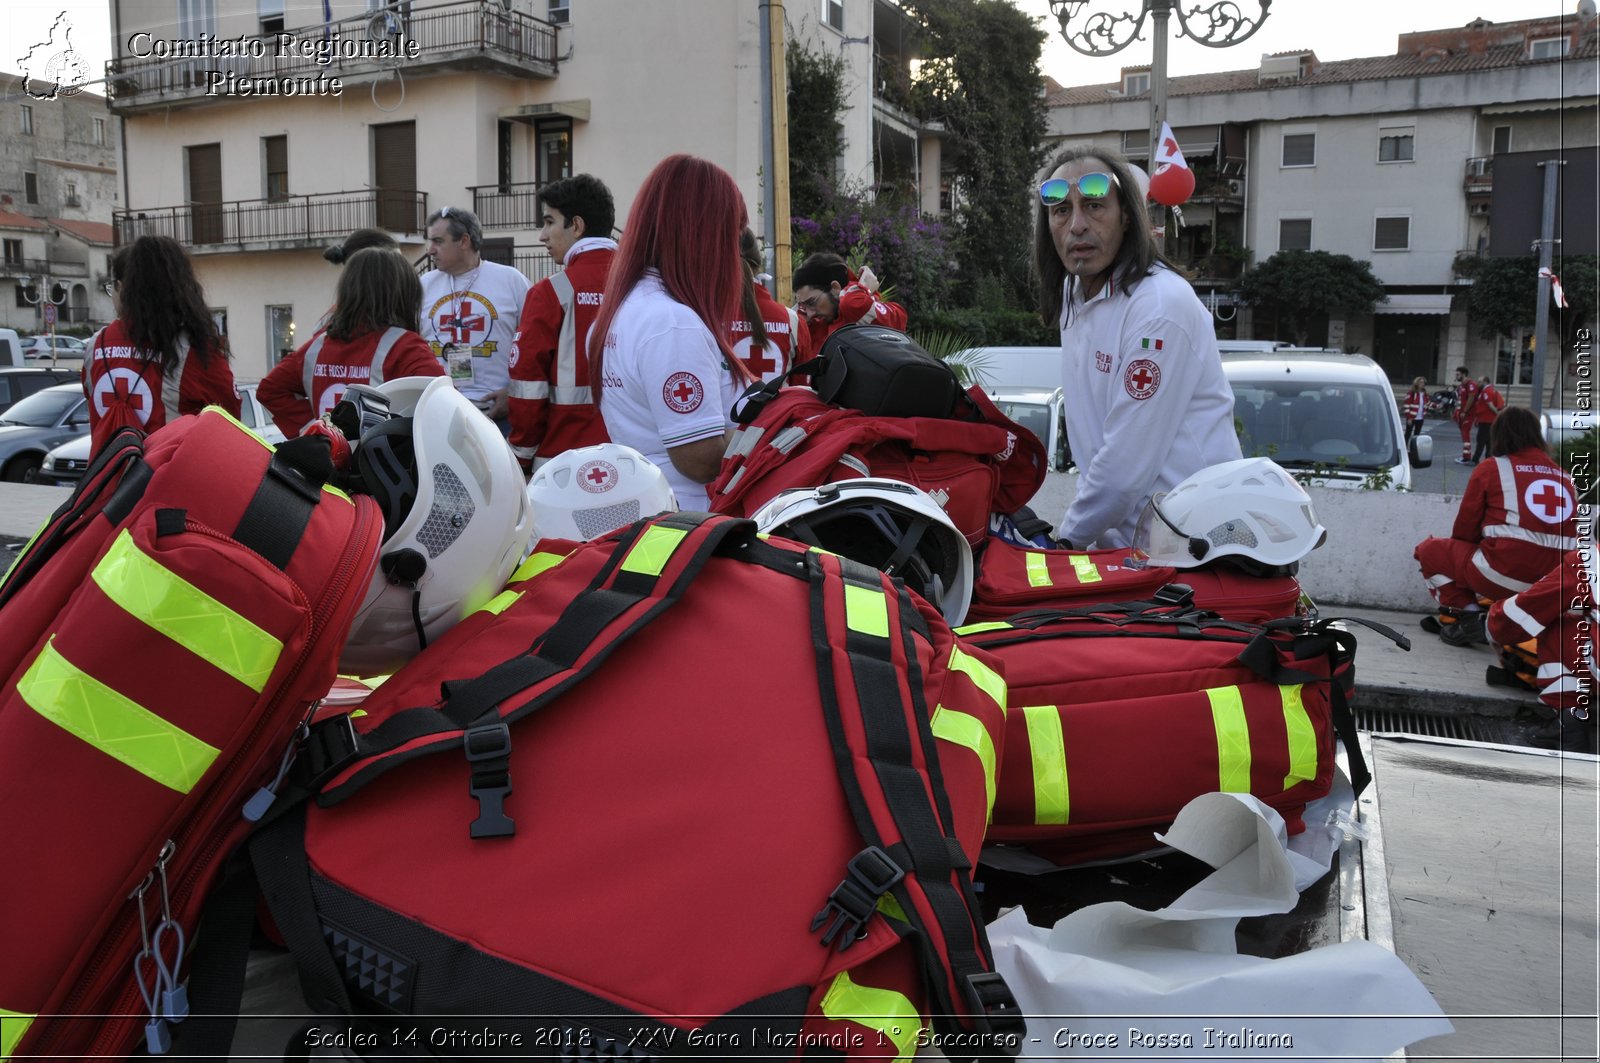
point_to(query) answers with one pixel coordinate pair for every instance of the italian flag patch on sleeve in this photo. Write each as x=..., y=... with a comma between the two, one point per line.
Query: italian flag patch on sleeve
x=1150, y=344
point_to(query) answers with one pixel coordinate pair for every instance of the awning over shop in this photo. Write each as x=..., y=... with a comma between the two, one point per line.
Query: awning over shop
x=1414, y=304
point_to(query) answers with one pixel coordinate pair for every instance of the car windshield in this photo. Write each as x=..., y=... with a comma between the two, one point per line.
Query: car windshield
x=42, y=409
x=1033, y=416
x=1306, y=425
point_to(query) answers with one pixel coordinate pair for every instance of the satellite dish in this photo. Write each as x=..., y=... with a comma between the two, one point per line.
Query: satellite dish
x=1586, y=12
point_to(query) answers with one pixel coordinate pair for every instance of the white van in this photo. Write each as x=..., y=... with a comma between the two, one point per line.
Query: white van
x=1329, y=418
x=10, y=347
x=1035, y=368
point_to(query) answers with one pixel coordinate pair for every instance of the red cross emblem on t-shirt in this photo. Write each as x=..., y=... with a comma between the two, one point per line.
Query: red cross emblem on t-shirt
x=1141, y=378
x=463, y=324
x=1549, y=501
x=758, y=363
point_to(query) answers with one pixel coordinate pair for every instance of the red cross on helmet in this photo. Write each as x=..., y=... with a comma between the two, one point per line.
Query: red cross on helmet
x=581, y=494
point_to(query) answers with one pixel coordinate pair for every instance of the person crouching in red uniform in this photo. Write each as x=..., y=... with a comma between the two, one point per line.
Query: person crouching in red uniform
x=1517, y=519
x=1559, y=612
x=371, y=336
x=162, y=357
x=829, y=297
x=769, y=338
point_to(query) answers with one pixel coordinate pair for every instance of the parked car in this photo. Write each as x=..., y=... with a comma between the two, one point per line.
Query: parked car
x=64, y=466
x=1044, y=413
x=40, y=422
x=53, y=346
x=19, y=383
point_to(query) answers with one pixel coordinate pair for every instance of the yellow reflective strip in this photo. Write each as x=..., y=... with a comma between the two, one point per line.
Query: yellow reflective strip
x=890, y=1013
x=1038, y=570
x=1302, y=737
x=240, y=425
x=1084, y=568
x=13, y=1024
x=866, y=610
x=891, y=908
x=983, y=677
x=1052, y=800
x=967, y=730
x=20, y=554
x=187, y=615
x=1233, y=740
x=653, y=550
x=67, y=696
x=499, y=603
x=536, y=564
x=973, y=629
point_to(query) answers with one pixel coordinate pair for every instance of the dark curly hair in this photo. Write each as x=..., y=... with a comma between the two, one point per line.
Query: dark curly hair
x=161, y=300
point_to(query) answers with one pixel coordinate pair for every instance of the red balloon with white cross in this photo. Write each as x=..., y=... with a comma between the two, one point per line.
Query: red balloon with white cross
x=1172, y=182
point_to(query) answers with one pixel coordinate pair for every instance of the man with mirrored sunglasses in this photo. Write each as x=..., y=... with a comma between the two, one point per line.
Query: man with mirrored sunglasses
x=1146, y=402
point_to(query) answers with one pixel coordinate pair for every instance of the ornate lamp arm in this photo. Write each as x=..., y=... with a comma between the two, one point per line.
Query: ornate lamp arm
x=1099, y=34
x=1224, y=23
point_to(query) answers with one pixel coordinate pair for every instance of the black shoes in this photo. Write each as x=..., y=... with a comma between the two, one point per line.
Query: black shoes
x=1466, y=631
x=1430, y=624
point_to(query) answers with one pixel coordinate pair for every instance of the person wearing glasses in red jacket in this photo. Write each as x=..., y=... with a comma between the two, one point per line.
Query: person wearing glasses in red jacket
x=829, y=296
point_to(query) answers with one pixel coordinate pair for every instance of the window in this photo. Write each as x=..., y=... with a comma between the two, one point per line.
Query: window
x=1135, y=84
x=30, y=187
x=1549, y=47
x=1502, y=140
x=502, y=149
x=560, y=12
x=72, y=194
x=280, y=333
x=13, y=252
x=100, y=131
x=554, y=151
x=1136, y=145
x=1397, y=144
x=1299, y=149
x=27, y=120
x=1391, y=234
x=270, y=15
x=1294, y=234
x=833, y=14
x=275, y=157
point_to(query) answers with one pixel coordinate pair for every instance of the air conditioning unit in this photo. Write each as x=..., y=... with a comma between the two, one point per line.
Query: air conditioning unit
x=1478, y=210
x=1235, y=187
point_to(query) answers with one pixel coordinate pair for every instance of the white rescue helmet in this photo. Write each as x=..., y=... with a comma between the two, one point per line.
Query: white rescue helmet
x=886, y=524
x=1249, y=510
x=582, y=494
x=455, y=516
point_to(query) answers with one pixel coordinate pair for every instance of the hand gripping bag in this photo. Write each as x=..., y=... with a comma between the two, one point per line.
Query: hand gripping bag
x=609, y=814
x=1118, y=716
x=166, y=632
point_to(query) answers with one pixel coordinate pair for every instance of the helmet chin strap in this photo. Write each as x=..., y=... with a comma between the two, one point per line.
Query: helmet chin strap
x=908, y=545
x=407, y=567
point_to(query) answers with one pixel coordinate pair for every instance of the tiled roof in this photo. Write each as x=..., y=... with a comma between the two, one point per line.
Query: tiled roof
x=12, y=220
x=94, y=232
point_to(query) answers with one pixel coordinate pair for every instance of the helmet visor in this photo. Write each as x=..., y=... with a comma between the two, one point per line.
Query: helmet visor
x=1161, y=540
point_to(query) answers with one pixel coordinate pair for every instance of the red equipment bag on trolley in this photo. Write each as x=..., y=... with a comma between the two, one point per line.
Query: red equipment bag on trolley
x=692, y=849
x=166, y=632
x=1120, y=715
x=976, y=464
x=1013, y=579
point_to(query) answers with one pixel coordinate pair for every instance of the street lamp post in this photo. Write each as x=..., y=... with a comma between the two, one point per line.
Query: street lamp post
x=44, y=292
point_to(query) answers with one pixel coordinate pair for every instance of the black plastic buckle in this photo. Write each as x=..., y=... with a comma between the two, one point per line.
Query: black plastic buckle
x=868, y=876
x=488, y=749
x=995, y=1014
x=330, y=744
x=1180, y=594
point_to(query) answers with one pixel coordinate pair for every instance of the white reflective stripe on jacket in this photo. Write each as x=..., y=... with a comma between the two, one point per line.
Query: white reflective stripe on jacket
x=386, y=342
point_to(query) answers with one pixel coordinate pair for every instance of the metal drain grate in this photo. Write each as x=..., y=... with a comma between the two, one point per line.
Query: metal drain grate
x=1433, y=725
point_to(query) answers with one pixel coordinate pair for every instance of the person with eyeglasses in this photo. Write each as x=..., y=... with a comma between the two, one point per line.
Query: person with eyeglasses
x=829, y=296
x=1146, y=402
x=470, y=311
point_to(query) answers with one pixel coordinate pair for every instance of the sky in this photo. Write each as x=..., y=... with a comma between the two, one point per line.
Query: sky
x=1334, y=29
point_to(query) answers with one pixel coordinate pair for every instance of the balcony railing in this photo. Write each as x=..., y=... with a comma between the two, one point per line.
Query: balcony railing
x=296, y=220
x=23, y=267
x=534, y=262
x=509, y=206
x=1479, y=177
x=463, y=34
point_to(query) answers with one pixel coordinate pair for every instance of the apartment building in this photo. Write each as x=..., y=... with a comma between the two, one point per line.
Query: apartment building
x=58, y=189
x=1412, y=161
x=260, y=133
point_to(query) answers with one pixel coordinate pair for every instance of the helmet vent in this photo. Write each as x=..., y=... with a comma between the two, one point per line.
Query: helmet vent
x=1232, y=533
x=1276, y=531
x=449, y=515
x=597, y=520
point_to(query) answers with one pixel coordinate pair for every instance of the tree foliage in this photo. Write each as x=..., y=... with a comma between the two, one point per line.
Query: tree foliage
x=816, y=129
x=907, y=251
x=1505, y=295
x=982, y=82
x=1302, y=286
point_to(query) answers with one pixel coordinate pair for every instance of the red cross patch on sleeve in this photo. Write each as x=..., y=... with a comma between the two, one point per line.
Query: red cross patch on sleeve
x=1141, y=378
x=683, y=393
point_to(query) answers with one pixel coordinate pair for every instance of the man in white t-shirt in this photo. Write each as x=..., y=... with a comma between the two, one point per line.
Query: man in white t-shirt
x=470, y=309
x=666, y=390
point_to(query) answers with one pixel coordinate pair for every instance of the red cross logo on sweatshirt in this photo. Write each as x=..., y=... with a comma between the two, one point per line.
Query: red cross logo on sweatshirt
x=123, y=387
x=683, y=393
x=1548, y=500
x=1141, y=378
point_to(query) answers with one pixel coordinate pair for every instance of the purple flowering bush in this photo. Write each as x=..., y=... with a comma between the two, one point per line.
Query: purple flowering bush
x=910, y=253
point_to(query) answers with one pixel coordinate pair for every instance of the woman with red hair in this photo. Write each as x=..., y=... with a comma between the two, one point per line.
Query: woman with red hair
x=668, y=377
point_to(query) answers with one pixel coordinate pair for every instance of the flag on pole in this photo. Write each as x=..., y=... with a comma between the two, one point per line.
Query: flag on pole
x=1167, y=150
x=1555, y=286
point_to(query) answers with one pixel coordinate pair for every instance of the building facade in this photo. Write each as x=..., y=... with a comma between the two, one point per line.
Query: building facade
x=1389, y=159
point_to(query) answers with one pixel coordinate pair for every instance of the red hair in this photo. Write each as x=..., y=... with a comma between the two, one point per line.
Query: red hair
x=685, y=224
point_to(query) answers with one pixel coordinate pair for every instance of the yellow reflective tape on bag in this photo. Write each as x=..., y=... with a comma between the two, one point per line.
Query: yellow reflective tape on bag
x=983, y=677
x=1047, y=748
x=891, y=908
x=499, y=603
x=1302, y=736
x=165, y=601
x=13, y=1024
x=536, y=564
x=967, y=730
x=1084, y=568
x=1038, y=570
x=653, y=550
x=890, y=1013
x=1233, y=740
x=866, y=610
x=120, y=728
x=973, y=629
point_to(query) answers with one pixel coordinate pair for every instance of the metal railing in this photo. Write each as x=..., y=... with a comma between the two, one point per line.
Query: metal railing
x=295, y=219
x=1479, y=175
x=509, y=206
x=22, y=267
x=535, y=263
x=443, y=33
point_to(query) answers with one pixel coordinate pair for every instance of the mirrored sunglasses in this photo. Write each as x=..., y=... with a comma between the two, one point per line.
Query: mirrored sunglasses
x=1094, y=185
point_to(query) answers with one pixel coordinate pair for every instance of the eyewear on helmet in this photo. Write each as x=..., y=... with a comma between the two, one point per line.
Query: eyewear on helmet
x=1156, y=537
x=1094, y=185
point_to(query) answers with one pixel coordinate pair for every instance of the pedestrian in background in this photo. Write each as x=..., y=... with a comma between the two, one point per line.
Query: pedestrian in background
x=1465, y=413
x=1485, y=410
x=1416, y=407
x=359, y=240
x=163, y=355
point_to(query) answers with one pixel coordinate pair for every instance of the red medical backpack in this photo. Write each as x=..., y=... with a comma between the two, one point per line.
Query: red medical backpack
x=166, y=632
x=623, y=807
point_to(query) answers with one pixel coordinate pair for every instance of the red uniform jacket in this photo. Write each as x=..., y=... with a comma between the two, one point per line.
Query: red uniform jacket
x=554, y=406
x=1521, y=511
x=782, y=336
x=1416, y=405
x=858, y=306
x=1466, y=401
x=1489, y=404
x=118, y=374
x=299, y=390
x=1556, y=612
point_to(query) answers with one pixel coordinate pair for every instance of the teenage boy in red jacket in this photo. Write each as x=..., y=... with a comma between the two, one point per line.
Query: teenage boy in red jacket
x=829, y=297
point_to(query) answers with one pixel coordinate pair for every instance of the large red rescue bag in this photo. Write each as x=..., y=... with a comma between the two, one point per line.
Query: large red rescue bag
x=734, y=838
x=1013, y=579
x=1120, y=715
x=974, y=464
x=166, y=633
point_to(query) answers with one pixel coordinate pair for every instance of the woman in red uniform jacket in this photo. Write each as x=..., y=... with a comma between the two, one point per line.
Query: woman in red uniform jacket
x=371, y=337
x=1560, y=612
x=1517, y=519
x=766, y=339
x=162, y=356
